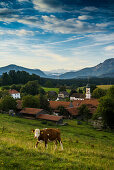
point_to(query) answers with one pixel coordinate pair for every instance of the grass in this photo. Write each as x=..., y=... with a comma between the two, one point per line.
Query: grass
x=104, y=86
x=54, y=89
x=84, y=147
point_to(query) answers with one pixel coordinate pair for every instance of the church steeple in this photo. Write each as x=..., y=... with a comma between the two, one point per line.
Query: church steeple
x=88, y=93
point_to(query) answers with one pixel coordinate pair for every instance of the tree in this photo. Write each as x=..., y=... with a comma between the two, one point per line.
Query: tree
x=72, y=91
x=52, y=95
x=6, y=79
x=30, y=88
x=98, y=92
x=62, y=111
x=84, y=112
x=80, y=90
x=30, y=101
x=110, y=92
x=5, y=88
x=44, y=104
x=8, y=103
x=3, y=93
x=48, y=83
x=62, y=88
x=13, y=76
x=106, y=110
x=42, y=91
x=16, y=87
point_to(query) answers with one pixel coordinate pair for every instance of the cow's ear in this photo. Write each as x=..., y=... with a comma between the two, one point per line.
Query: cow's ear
x=33, y=130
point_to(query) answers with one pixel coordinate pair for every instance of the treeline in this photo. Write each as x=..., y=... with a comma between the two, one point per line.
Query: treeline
x=17, y=77
x=22, y=77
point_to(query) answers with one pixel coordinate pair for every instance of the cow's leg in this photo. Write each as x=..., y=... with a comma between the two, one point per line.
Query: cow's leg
x=55, y=144
x=36, y=144
x=46, y=146
x=59, y=139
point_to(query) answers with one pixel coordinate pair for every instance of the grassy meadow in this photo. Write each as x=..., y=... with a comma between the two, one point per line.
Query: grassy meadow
x=104, y=86
x=54, y=89
x=84, y=147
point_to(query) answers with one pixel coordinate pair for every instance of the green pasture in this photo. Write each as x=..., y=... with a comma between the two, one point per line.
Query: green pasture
x=104, y=86
x=84, y=147
x=54, y=89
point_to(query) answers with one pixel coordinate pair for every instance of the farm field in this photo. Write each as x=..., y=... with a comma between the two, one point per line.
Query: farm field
x=53, y=89
x=84, y=147
x=104, y=86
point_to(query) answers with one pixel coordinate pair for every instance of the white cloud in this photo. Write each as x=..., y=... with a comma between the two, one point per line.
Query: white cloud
x=84, y=17
x=109, y=48
x=90, y=8
x=44, y=7
x=21, y=32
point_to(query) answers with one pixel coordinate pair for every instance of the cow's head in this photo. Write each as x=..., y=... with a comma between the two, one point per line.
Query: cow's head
x=36, y=133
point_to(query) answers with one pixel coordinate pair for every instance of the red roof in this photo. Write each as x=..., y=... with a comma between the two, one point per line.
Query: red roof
x=93, y=102
x=73, y=111
x=49, y=117
x=56, y=104
x=33, y=111
x=12, y=91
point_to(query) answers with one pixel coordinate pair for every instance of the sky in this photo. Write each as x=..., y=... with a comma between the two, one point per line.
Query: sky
x=56, y=34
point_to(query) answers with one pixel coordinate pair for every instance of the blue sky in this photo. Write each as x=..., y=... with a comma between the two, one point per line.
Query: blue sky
x=56, y=34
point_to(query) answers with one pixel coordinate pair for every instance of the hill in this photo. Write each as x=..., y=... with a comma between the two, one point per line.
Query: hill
x=104, y=69
x=19, y=68
x=84, y=147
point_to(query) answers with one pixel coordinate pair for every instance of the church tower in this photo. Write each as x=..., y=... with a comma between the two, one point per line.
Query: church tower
x=88, y=94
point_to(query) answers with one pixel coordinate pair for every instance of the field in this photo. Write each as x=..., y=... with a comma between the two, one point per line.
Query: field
x=104, y=86
x=53, y=89
x=84, y=147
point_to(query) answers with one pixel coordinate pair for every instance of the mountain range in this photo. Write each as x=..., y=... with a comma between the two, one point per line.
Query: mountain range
x=19, y=68
x=105, y=69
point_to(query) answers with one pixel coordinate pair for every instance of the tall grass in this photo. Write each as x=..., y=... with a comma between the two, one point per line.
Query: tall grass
x=84, y=147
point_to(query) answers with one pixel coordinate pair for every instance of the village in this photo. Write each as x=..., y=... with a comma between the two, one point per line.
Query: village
x=70, y=107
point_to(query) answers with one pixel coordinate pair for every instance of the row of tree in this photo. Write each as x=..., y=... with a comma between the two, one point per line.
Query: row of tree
x=22, y=77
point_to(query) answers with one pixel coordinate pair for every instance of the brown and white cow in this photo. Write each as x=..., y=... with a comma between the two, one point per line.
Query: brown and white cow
x=48, y=134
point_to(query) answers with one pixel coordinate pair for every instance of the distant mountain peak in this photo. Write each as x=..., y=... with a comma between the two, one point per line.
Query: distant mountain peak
x=20, y=68
x=105, y=68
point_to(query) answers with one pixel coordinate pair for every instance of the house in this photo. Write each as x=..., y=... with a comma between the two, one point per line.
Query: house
x=77, y=96
x=47, y=117
x=52, y=94
x=31, y=112
x=73, y=112
x=14, y=93
x=63, y=94
x=34, y=113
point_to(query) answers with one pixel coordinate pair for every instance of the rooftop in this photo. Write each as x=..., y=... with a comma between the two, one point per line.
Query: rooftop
x=49, y=117
x=73, y=111
x=56, y=104
x=12, y=91
x=33, y=111
x=78, y=95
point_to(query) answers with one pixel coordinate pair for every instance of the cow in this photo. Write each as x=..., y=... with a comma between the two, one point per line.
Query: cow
x=47, y=134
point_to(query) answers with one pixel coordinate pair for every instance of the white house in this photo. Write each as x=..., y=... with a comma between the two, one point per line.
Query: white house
x=15, y=94
x=77, y=96
x=63, y=94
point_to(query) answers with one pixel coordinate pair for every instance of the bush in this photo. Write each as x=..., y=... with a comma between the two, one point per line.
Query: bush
x=98, y=92
x=106, y=110
x=8, y=103
x=84, y=112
